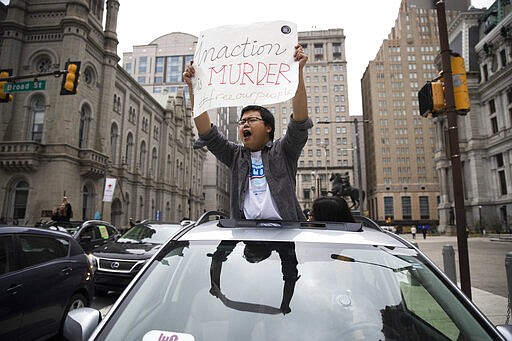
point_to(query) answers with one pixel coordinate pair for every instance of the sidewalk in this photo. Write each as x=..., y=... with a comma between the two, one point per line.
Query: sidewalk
x=493, y=306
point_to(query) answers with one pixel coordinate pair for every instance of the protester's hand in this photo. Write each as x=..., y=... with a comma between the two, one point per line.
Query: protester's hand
x=300, y=56
x=189, y=73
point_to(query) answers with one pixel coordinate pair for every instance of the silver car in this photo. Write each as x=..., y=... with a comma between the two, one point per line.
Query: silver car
x=270, y=280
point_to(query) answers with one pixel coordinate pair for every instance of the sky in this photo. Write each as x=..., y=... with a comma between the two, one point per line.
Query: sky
x=365, y=24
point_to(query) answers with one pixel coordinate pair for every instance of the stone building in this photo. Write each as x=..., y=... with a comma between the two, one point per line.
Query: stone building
x=53, y=145
x=484, y=39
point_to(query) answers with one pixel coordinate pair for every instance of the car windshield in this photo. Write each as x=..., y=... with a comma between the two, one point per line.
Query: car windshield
x=236, y=290
x=154, y=234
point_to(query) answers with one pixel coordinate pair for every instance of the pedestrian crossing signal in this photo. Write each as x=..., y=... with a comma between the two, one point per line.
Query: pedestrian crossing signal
x=70, y=80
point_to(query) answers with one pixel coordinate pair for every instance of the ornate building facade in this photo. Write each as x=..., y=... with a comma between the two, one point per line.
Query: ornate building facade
x=53, y=145
x=484, y=39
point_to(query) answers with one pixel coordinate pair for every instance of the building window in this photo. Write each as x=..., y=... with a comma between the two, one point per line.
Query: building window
x=159, y=64
x=43, y=63
x=87, y=202
x=388, y=207
x=129, y=149
x=114, y=136
x=143, y=64
x=406, y=208
x=142, y=158
x=20, y=200
x=83, y=133
x=174, y=69
x=424, y=209
x=494, y=125
x=492, y=106
x=503, y=182
x=37, y=116
x=154, y=162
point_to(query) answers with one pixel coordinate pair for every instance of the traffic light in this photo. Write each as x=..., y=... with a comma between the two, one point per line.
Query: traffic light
x=431, y=98
x=460, y=85
x=70, y=80
x=5, y=97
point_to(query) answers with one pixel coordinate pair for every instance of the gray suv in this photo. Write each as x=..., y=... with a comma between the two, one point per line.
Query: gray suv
x=273, y=280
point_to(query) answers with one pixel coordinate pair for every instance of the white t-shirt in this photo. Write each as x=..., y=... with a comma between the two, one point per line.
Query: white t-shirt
x=258, y=203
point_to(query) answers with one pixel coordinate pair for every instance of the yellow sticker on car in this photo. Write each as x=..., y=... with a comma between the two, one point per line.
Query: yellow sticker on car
x=103, y=231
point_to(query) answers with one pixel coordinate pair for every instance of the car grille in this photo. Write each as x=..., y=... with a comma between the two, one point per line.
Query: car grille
x=117, y=265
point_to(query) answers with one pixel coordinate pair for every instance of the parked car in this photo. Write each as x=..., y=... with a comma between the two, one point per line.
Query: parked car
x=118, y=261
x=270, y=280
x=90, y=234
x=43, y=275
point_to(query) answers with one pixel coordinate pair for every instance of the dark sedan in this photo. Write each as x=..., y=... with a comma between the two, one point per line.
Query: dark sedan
x=43, y=275
x=90, y=234
x=118, y=261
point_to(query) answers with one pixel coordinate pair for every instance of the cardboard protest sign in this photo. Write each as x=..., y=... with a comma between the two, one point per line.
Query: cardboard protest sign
x=239, y=65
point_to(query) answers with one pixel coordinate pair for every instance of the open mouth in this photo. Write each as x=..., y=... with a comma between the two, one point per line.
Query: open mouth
x=246, y=134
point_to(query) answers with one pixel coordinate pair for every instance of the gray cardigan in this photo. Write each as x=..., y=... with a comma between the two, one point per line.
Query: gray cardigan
x=279, y=160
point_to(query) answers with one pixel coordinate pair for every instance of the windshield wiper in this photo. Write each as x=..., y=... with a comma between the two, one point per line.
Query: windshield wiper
x=353, y=260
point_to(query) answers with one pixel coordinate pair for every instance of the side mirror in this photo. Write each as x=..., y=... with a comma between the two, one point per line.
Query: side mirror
x=80, y=324
x=505, y=330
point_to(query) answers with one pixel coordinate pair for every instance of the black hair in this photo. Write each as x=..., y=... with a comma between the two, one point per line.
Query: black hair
x=332, y=209
x=266, y=115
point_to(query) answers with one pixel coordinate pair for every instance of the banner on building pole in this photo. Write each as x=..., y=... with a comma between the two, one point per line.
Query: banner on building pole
x=238, y=65
x=110, y=186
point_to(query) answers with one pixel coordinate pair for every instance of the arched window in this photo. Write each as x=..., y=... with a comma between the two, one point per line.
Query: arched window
x=37, y=117
x=142, y=159
x=85, y=119
x=169, y=169
x=129, y=149
x=115, y=102
x=114, y=136
x=87, y=202
x=20, y=197
x=154, y=160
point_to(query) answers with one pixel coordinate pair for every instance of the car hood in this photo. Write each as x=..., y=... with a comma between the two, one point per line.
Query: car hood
x=129, y=250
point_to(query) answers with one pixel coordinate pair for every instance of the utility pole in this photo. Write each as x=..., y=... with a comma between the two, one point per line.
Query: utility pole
x=460, y=214
x=359, y=173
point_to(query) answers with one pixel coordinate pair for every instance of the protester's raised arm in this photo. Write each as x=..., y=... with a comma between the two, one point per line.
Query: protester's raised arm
x=300, y=100
x=202, y=122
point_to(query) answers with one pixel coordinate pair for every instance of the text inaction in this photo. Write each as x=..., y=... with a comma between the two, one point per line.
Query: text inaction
x=245, y=64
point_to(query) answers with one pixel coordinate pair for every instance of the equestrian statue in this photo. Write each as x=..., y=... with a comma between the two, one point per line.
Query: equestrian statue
x=341, y=188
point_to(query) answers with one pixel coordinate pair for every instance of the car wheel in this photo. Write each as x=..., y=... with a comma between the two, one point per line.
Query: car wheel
x=76, y=301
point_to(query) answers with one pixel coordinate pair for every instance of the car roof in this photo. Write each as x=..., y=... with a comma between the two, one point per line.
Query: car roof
x=34, y=230
x=316, y=232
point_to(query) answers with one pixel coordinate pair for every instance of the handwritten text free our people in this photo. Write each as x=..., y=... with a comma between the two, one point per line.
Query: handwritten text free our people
x=252, y=71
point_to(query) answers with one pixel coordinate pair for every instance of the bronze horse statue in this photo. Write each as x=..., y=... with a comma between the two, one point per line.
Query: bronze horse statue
x=343, y=189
